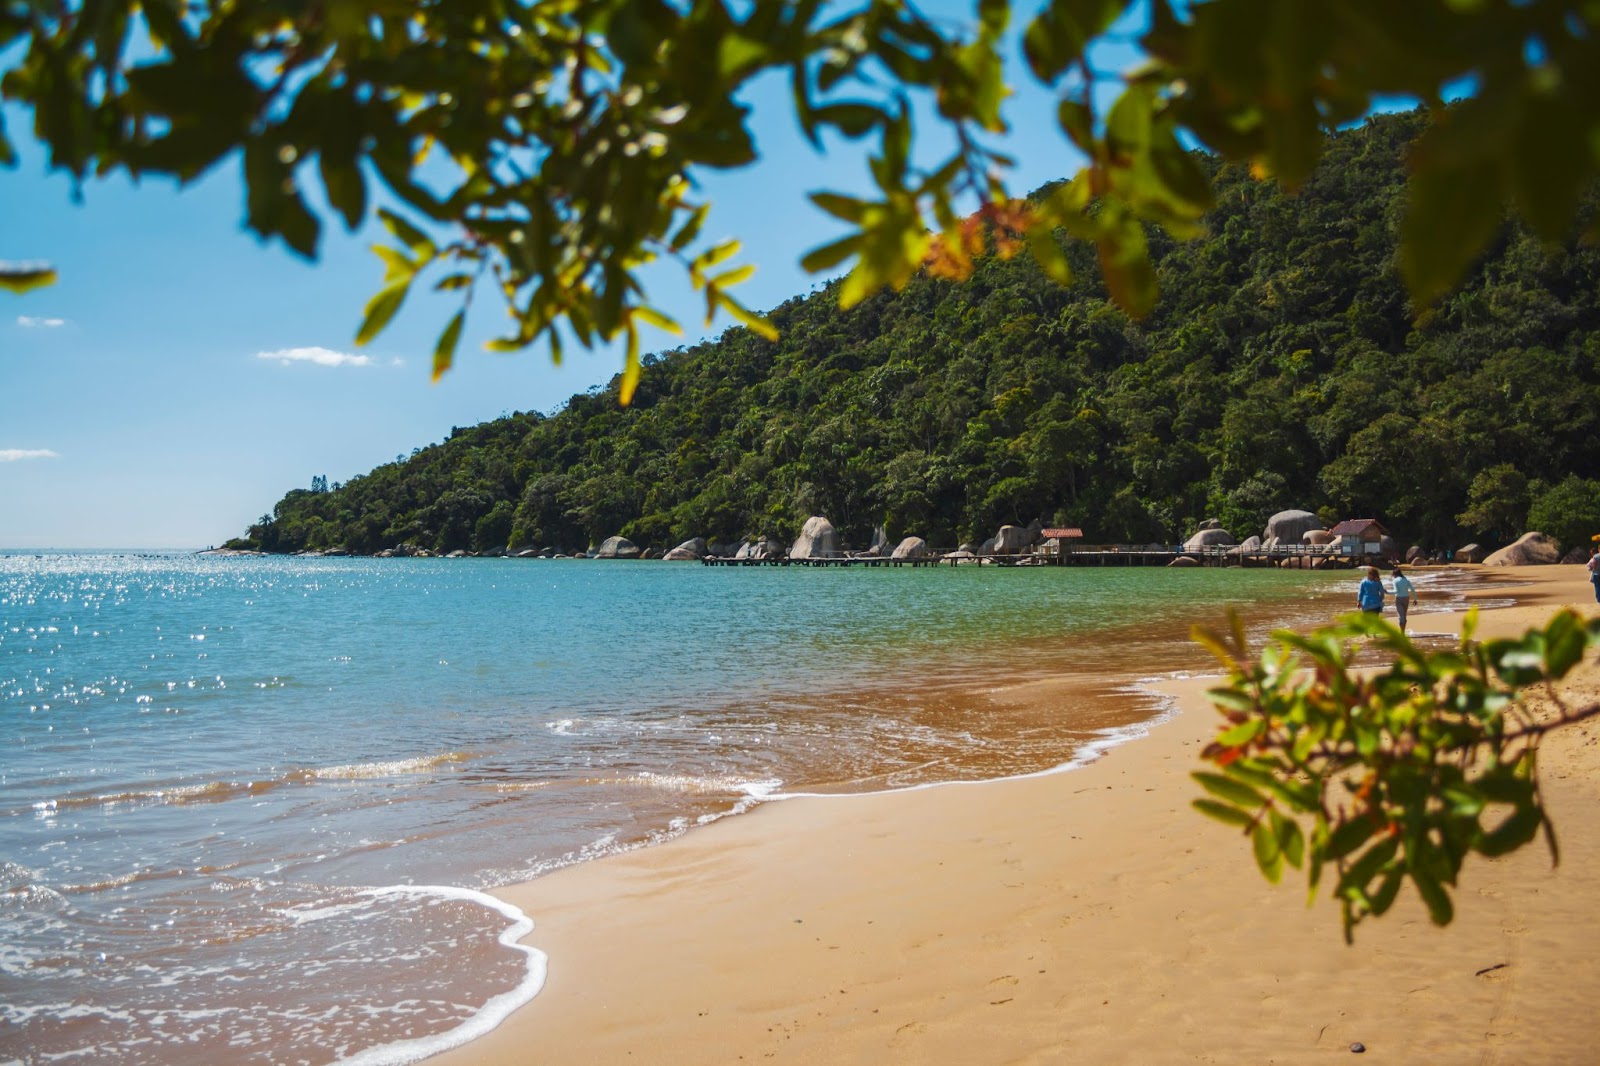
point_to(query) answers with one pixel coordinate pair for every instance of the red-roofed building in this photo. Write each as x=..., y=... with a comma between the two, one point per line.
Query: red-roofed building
x=1359, y=536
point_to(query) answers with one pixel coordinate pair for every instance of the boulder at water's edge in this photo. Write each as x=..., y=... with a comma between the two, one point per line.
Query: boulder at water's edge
x=910, y=548
x=1530, y=549
x=617, y=548
x=1290, y=527
x=818, y=540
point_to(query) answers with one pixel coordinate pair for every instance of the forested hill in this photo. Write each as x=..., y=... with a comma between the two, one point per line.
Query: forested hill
x=1282, y=368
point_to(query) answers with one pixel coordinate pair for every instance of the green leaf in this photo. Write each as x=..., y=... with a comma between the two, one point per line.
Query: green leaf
x=1371, y=863
x=407, y=234
x=1227, y=788
x=347, y=190
x=757, y=324
x=1291, y=840
x=842, y=207
x=1565, y=641
x=20, y=279
x=850, y=119
x=380, y=309
x=1125, y=265
x=1520, y=827
x=831, y=255
x=1242, y=733
x=658, y=320
x=691, y=228
x=734, y=276
x=1269, y=856
x=1350, y=836
x=736, y=55
x=1451, y=215
x=1433, y=894
x=630, y=369
x=712, y=256
x=396, y=265
x=1381, y=900
x=452, y=282
x=1062, y=31
x=444, y=353
x=1224, y=813
x=1048, y=254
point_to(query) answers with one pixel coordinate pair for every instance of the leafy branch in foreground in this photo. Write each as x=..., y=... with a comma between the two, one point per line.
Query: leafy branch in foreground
x=1393, y=774
x=552, y=149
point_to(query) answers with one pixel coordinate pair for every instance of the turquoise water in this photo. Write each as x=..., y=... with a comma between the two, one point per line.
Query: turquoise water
x=216, y=773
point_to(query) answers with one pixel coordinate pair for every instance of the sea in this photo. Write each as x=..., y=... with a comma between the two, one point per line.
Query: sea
x=252, y=809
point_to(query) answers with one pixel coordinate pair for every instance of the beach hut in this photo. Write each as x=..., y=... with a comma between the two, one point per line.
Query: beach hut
x=1359, y=536
x=1061, y=539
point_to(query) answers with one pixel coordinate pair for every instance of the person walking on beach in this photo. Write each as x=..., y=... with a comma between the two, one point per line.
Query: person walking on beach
x=1594, y=571
x=1369, y=597
x=1404, y=595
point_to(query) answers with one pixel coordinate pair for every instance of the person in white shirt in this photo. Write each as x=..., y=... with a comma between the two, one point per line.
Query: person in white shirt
x=1404, y=595
x=1594, y=571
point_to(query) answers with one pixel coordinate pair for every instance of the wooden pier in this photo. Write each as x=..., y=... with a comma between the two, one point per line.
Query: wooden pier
x=1291, y=556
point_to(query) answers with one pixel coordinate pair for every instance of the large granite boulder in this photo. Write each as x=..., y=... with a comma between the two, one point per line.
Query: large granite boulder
x=1388, y=547
x=1185, y=560
x=1012, y=539
x=693, y=548
x=987, y=547
x=880, y=541
x=1317, y=538
x=1471, y=553
x=910, y=548
x=1291, y=526
x=1415, y=554
x=970, y=547
x=1210, y=523
x=1576, y=555
x=1251, y=544
x=618, y=548
x=1530, y=549
x=818, y=540
x=1209, y=538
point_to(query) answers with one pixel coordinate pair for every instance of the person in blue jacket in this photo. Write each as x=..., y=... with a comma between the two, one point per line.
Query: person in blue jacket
x=1369, y=597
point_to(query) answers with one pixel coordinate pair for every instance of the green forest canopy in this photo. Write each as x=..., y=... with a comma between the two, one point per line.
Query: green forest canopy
x=1283, y=367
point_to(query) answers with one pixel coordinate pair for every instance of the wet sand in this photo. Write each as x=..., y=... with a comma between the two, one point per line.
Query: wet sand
x=1082, y=917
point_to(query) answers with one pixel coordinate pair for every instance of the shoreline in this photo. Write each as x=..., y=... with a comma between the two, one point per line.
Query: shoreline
x=1082, y=916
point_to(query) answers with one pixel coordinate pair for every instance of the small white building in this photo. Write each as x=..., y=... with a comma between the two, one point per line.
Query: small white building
x=1359, y=536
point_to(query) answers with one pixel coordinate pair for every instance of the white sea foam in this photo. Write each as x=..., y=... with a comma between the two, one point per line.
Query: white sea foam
x=492, y=1013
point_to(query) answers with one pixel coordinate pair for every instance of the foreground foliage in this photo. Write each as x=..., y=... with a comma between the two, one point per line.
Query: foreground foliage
x=1392, y=775
x=547, y=151
x=1282, y=368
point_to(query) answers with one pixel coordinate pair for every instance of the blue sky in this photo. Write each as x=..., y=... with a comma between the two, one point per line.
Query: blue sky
x=137, y=409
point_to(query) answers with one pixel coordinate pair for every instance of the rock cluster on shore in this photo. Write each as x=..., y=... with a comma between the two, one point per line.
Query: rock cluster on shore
x=820, y=540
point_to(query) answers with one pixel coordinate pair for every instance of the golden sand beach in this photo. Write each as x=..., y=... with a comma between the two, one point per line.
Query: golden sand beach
x=1082, y=917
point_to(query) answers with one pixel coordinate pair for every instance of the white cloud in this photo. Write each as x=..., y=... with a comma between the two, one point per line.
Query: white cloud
x=34, y=322
x=397, y=361
x=316, y=356
x=12, y=455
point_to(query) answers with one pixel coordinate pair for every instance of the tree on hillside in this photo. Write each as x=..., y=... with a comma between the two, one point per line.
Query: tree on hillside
x=549, y=150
